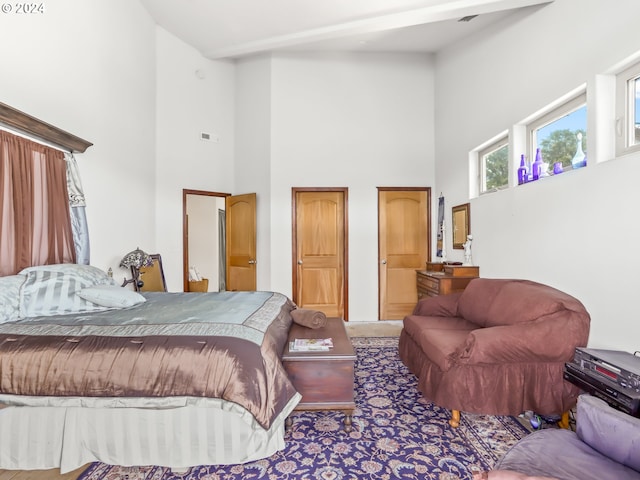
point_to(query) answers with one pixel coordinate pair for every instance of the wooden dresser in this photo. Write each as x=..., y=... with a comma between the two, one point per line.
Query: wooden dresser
x=441, y=279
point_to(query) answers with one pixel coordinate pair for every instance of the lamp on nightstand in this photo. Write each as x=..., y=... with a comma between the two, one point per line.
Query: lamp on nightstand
x=135, y=260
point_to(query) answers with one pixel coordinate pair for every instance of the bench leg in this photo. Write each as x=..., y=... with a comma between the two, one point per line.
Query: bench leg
x=455, y=418
x=347, y=421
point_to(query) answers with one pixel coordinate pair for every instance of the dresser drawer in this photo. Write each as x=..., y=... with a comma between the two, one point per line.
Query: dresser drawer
x=430, y=284
x=434, y=283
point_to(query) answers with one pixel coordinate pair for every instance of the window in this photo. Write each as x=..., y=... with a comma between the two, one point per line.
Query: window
x=494, y=166
x=628, y=110
x=560, y=136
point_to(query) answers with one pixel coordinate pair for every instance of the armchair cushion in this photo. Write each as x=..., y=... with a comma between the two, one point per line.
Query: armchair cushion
x=440, y=338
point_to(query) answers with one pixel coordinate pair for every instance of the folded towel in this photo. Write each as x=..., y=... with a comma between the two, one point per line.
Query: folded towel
x=309, y=318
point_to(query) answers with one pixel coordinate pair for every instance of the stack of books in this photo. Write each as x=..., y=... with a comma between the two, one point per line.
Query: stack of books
x=310, y=344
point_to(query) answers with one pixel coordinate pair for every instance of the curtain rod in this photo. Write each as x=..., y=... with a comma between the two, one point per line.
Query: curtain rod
x=19, y=133
x=32, y=126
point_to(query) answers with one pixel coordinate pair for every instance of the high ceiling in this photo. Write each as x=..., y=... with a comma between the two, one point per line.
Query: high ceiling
x=235, y=28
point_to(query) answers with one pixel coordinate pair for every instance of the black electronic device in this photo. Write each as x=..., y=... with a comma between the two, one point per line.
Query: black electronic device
x=612, y=375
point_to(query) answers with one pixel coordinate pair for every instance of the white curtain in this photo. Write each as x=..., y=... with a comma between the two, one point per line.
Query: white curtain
x=77, y=206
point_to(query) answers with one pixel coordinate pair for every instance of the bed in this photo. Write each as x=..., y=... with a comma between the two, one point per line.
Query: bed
x=90, y=371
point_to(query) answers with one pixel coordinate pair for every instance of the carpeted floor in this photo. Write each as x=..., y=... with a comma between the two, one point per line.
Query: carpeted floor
x=397, y=434
x=379, y=328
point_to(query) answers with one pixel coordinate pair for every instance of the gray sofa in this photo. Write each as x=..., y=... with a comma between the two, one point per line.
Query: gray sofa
x=605, y=445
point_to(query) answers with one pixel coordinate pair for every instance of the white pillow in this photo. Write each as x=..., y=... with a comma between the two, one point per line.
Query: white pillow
x=111, y=296
x=10, y=297
x=51, y=289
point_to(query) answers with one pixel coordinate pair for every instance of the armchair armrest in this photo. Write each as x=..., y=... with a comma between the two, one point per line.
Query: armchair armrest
x=546, y=339
x=440, y=306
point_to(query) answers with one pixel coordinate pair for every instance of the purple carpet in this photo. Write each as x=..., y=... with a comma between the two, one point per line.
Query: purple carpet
x=396, y=434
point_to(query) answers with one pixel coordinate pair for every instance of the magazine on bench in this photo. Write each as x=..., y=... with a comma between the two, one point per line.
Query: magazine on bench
x=311, y=344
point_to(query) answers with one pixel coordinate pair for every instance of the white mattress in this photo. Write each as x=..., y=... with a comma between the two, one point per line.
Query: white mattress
x=67, y=437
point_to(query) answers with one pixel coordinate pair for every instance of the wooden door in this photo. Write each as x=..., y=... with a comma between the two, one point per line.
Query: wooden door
x=404, y=247
x=319, y=250
x=241, y=242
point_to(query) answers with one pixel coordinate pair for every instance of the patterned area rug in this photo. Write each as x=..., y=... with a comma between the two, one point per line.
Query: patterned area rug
x=396, y=434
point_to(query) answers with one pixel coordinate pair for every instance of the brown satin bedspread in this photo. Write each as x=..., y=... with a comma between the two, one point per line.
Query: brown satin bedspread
x=234, y=369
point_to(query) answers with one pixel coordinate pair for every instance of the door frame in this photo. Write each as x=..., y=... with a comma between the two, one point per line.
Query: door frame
x=185, y=230
x=402, y=189
x=294, y=241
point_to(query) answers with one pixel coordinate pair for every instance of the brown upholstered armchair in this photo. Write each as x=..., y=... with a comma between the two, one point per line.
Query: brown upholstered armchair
x=497, y=348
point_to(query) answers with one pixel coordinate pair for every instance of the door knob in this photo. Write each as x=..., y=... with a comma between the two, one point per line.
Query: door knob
x=252, y=262
x=299, y=262
x=383, y=262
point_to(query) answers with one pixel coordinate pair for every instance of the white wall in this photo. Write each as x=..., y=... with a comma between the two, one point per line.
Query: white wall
x=253, y=153
x=105, y=72
x=575, y=231
x=358, y=121
x=89, y=68
x=186, y=106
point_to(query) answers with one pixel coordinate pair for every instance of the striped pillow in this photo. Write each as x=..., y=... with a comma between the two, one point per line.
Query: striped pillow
x=51, y=289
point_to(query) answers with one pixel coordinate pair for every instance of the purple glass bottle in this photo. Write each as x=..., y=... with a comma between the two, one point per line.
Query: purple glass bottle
x=537, y=165
x=522, y=171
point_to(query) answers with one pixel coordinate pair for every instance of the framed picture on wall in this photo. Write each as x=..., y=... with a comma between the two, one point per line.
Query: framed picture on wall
x=461, y=225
